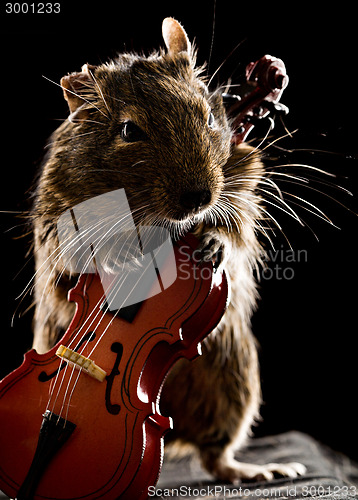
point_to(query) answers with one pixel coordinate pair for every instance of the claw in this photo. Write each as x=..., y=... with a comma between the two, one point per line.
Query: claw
x=227, y=468
x=211, y=250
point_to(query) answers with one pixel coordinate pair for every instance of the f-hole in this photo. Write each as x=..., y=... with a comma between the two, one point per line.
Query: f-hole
x=113, y=409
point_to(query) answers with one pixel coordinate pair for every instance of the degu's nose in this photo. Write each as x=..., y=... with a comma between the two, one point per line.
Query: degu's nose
x=193, y=200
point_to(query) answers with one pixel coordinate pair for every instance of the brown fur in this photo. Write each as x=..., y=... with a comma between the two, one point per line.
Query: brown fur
x=215, y=399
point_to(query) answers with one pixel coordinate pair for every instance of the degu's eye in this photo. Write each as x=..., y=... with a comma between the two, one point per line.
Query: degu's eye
x=130, y=132
x=211, y=120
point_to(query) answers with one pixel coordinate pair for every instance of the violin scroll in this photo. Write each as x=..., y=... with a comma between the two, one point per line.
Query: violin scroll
x=270, y=74
x=266, y=79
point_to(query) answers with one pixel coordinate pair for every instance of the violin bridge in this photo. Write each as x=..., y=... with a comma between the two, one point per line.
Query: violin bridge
x=81, y=362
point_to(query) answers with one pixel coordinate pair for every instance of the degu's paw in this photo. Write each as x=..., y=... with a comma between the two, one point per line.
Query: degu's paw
x=234, y=471
x=212, y=248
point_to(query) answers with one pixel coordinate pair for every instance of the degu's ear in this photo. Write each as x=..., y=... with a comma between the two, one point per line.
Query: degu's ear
x=175, y=37
x=77, y=88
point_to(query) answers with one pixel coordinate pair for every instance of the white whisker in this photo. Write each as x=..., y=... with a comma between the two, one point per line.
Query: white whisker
x=77, y=95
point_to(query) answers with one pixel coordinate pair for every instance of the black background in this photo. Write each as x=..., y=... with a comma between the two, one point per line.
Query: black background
x=306, y=325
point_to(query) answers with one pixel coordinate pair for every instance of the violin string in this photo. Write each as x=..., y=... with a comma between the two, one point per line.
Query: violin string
x=65, y=248
x=71, y=394
x=116, y=288
x=96, y=306
x=119, y=283
x=67, y=365
x=94, y=250
x=90, y=232
x=52, y=387
x=65, y=369
x=59, y=389
x=104, y=312
x=66, y=391
x=90, y=235
x=64, y=373
x=87, y=328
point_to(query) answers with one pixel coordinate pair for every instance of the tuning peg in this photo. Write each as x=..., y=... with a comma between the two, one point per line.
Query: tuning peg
x=276, y=108
x=230, y=99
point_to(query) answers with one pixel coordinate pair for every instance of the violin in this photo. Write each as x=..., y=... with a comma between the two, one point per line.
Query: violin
x=83, y=420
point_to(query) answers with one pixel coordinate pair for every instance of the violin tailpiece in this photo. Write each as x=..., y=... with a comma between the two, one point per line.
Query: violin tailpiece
x=81, y=362
x=54, y=433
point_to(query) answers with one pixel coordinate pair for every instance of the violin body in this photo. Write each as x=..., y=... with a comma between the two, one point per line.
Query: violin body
x=104, y=439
